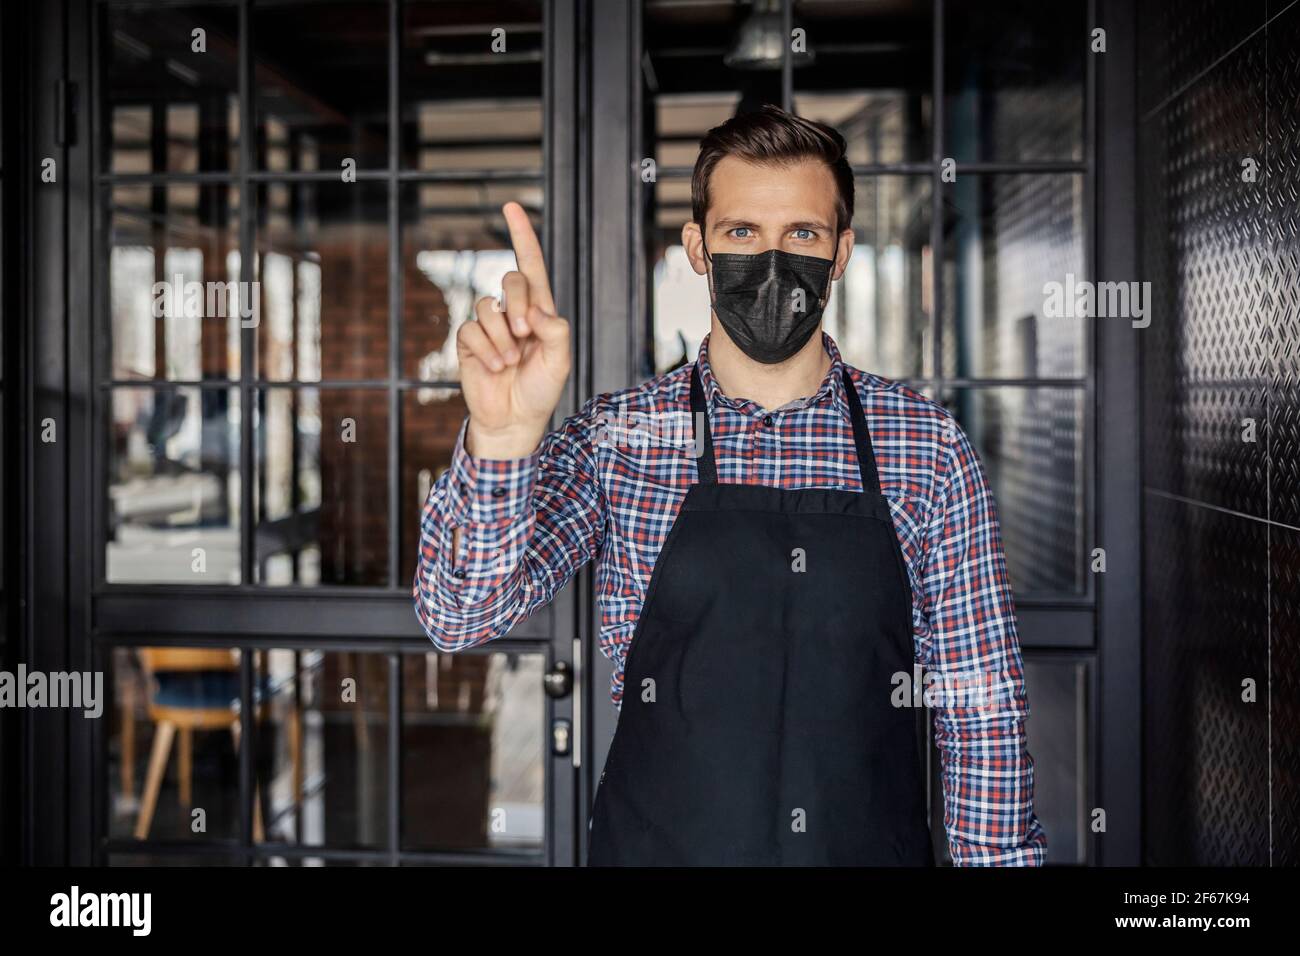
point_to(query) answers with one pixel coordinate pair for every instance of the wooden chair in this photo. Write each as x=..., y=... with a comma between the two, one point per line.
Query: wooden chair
x=193, y=689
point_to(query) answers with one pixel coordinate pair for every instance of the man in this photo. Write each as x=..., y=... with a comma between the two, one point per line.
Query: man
x=771, y=574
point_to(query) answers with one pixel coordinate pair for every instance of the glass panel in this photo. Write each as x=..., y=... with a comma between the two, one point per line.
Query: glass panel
x=688, y=84
x=324, y=734
x=431, y=420
x=171, y=96
x=682, y=119
x=870, y=75
x=323, y=274
x=472, y=85
x=455, y=250
x=474, y=748
x=879, y=311
x=1014, y=81
x=320, y=87
x=173, y=761
x=1057, y=740
x=173, y=282
x=173, y=495
x=1030, y=441
x=1005, y=239
x=678, y=301
x=321, y=487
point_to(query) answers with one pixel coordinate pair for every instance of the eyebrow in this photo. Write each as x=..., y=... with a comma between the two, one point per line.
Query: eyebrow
x=802, y=224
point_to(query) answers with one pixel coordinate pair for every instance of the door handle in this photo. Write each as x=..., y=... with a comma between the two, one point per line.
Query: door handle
x=558, y=681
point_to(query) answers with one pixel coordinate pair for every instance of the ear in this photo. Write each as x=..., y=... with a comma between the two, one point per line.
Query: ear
x=693, y=243
x=843, y=253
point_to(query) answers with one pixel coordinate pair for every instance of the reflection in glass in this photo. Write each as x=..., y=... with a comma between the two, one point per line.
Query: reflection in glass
x=473, y=745
x=1014, y=83
x=692, y=79
x=173, y=282
x=455, y=250
x=320, y=86
x=326, y=744
x=1006, y=237
x=472, y=85
x=323, y=273
x=321, y=487
x=168, y=106
x=879, y=310
x=1030, y=442
x=431, y=420
x=870, y=76
x=173, y=496
x=174, y=744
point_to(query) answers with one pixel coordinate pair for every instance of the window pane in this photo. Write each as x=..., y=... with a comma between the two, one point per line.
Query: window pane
x=173, y=282
x=1005, y=238
x=1030, y=442
x=169, y=107
x=870, y=75
x=174, y=744
x=321, y=487
x=474, y=748
x=879, y=311
x=689, y=82
x=682, y=119
x=1014, y=76
x=455, y=249
x=323, y=274
x=173, y=463
x=678, y=299
x=472, y=85
x=320, y=89
x=431, y=420
x=324, y=737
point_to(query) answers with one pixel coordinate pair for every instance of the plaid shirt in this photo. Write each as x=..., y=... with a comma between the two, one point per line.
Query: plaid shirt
x=608, y=483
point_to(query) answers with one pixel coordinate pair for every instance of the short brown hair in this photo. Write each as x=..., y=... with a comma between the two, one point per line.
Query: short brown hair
x=770, y=135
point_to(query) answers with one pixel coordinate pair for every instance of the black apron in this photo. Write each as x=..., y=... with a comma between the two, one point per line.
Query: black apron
x=756, y=725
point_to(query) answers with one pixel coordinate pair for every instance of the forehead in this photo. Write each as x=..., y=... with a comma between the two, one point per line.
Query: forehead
x=803, y=190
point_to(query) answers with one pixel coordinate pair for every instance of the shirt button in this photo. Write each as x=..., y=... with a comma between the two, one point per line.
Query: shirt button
x=498, y=492
x=767, y=420
x=458, y=573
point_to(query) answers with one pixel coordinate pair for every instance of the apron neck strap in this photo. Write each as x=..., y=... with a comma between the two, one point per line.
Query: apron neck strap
x=704, y=437
x=862, y=438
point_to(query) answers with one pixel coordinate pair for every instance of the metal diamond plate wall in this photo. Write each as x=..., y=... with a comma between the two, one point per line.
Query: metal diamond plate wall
x=1219, y=93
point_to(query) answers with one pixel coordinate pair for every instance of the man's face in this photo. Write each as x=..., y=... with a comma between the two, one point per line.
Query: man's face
x=754, y=208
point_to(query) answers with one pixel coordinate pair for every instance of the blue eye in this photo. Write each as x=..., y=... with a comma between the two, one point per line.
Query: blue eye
x=808, y=231
x=739, y=229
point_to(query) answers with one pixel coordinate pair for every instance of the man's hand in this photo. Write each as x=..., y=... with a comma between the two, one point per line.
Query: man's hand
x=514, y=360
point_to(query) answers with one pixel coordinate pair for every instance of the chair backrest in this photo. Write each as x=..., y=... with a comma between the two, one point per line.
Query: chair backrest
x=188, y=659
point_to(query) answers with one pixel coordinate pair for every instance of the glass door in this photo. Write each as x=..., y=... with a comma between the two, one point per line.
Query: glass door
x=296, y=204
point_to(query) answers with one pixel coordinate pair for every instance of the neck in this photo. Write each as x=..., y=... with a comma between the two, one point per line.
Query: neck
x=771, y=386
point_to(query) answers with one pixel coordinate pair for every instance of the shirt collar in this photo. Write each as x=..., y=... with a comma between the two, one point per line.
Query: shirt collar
x=831, y=388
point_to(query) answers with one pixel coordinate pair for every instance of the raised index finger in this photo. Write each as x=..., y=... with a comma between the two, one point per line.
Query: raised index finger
x=528, y=253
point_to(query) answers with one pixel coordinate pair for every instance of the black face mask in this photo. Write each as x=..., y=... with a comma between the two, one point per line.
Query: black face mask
x=754, y=297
